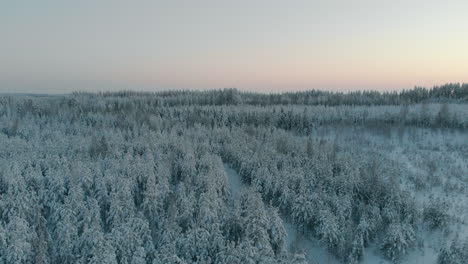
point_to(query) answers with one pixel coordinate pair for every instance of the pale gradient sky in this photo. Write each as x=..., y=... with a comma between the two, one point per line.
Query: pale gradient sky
x=59, y=46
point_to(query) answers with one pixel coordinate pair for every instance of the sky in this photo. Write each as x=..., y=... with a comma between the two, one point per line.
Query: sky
x=59, y=46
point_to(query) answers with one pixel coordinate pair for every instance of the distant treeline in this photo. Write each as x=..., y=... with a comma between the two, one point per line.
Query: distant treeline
x=453, y=92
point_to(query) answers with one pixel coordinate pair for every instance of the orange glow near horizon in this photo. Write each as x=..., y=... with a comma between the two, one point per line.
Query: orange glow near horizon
x=252, y=45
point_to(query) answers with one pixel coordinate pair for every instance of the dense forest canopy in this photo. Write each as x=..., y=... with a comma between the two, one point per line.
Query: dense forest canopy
x=128, y=177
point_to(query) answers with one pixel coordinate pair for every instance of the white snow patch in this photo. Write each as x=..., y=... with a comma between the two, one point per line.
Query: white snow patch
x=235, y=182
x=297, y=242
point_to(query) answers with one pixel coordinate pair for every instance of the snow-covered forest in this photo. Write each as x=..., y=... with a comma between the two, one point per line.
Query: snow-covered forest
x=235, y=177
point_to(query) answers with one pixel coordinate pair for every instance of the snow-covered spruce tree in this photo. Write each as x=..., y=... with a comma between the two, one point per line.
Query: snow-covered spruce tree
x=443, y=118
x=455, y=253
x=397, y=240
x=19, y=248
x=328, y=231
x=276, y=230
x=435, y=214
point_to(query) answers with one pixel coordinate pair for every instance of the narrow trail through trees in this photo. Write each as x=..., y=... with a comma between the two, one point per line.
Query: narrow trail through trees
x=295, y=240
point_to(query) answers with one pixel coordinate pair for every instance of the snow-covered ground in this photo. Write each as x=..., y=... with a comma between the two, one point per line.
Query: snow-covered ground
x=414, y=154
x=235, y=182
x=420, y=155
x=295, y=240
